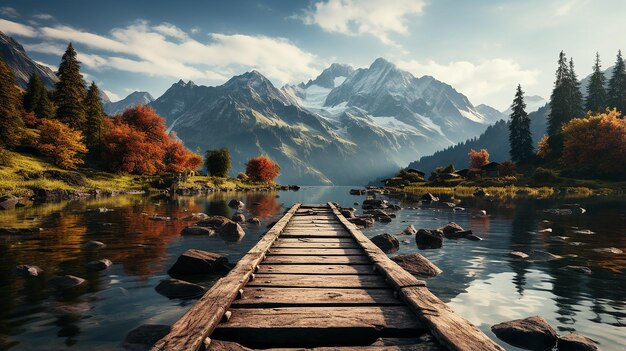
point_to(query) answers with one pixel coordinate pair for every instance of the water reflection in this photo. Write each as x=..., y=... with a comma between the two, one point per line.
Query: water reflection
x=480, y=280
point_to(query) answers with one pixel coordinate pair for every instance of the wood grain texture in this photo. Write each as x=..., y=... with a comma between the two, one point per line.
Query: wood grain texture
x=265, y=297
x=317, y=269
x=318, y=281
x=331, y=251
x=220, y=345
x=316, y=260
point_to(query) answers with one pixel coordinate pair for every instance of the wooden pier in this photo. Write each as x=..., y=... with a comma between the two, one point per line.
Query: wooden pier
x=314, y=281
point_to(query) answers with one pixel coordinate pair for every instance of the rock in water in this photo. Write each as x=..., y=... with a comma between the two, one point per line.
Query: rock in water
x=26, y=271
x=239, y=218
x=410, y=230
x=65, y=281
x=538, y=255
x=386, y=242
x=363, y=221
x=214, y=222
x=518, y=254
x=254, y=220
x=179, y=289
x=232, y=232
x=532, y=333
x=94, y=245
x=428, y=239
x=145, y=336
x=197, y=230
x=99, y=265
x=451, y=230
x=576, y=342
x=236, y=204
x=428, y=197
x=8, y=202
x=418, y=265
x=195, y=261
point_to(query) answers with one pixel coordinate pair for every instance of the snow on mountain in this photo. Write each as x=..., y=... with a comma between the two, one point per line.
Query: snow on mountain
x=491, y=114
x=134, y=99
x=533, y=103
x=22, y=65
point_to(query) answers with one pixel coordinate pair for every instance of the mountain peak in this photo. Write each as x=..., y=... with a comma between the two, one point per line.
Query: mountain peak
x=381, y=63
x=332, y=76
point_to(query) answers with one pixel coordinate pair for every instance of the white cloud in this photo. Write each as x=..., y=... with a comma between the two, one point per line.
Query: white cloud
x=195, y=30
x=46, y=48
x=13, y=28
x=170, y=30
x=92, y=61
x=488, y=81
x=8, y=11
x=112, y=96
x=43, y=16
x=356, y=17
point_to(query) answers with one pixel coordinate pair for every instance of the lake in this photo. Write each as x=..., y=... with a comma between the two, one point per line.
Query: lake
x=479, y=280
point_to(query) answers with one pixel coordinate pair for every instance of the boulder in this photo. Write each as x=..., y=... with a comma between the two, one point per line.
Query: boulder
x=538, y=255
x=347, y=213
x=386, y=242
x=197, y=230
x=94, y=245
x=71, y=178
x=576, y=342
x=428, y=239
x=469, y=236
x=532, y=333
x=145, y=336
x=99, y=265
x=214, y=222
x=236, y=204
x=418, y=265
x=27, y=271
x=428, y=197
x=239, y=218
x=65, y=281
x=363, y=221
x=451, y=230
x=410, y=230
x=179, y=289
x=232, y=232
x=195, y=261
x=254, y=221
x=8, y=202
x=518, y=254
x=369, y=204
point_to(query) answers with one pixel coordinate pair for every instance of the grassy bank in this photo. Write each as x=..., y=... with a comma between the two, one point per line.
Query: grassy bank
x=26, y=173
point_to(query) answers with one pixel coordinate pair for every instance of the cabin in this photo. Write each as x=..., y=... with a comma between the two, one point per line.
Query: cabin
x=415, y=171
x=490, y=169
x=395, y=181
x=463, y=173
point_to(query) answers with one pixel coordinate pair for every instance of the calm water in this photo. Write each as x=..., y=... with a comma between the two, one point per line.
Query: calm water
x=479, y=281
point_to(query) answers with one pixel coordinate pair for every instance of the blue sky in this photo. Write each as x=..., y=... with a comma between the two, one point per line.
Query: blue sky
x=482, y=48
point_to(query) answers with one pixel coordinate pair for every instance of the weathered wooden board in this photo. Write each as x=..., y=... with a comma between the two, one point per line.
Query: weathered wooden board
x=318, y=281
x=318, y=245
x=268, y=297
x=316, y=269
x=219, y=345
x=282, y=240
x=316, y=260
x=338, y=251
x=314, y=234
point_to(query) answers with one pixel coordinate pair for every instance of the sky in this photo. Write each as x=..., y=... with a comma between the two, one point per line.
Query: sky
x=483, y=48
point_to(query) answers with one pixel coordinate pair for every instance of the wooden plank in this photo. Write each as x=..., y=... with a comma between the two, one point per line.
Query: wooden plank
x=337, y=251
x=282, y=240
x=268, y=297
x=316, y=269
x=318, y=281
x=316, y=260
x=220, y=345
x=189, y=332
x=321, y=245
x=317, y=326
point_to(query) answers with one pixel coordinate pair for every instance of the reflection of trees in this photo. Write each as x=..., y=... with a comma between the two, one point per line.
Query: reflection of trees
x=524, y=222
x=268, y=204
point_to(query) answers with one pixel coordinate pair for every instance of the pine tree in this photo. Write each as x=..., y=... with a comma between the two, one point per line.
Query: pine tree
x=617, y=85
x=576, y=96
x=520, y=137
x=596, y=90
x=559, y=105
x=70, y=91
x=36, y=98
x=94, y=124
x=11, y=123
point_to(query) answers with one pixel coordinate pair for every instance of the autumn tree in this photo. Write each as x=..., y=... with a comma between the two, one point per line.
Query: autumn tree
x=478, y=159
x=543, y=147
x=218, y=162
x=179, y=159
x=262, y=169
x=11, y=124
x=617, y=85
x=596, y=143
x=94, y=123
x=596, y=89
x=36, y=98
x=64, y=144
x=70, y=91
x=520, y=138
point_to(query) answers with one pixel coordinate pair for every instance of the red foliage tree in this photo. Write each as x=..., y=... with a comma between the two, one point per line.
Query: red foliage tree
x=262, y=169
x=478, y=159
x=180, y=159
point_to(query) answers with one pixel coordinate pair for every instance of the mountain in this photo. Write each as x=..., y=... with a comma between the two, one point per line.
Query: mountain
x=533, y=103
x=495, y=139
x=134, y=99
x=23, y=67
x=491, y=114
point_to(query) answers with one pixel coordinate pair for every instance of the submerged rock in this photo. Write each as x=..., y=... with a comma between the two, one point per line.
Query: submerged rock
x=94, y=245
x=27, y=271
x=428, y=239
x=254, y=221
x=363, y=221
x=145, y=336
x=418, y=265
x=197, y=230
x=99, y=265
x=236, y=204
x=195, y=261
x=576, y=342
x=215, y=222
x=410, y=230
x=239, y=218
x=532, y=333
x=232, y=232
x=369, y=204
x=451, y=230
x=65, y=281
x=386, y=242
x=178, y=289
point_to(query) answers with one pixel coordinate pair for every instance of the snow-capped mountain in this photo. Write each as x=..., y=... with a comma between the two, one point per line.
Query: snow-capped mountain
x=22, y=65
x=134, y=99
x=491, y=114
x=533, y=103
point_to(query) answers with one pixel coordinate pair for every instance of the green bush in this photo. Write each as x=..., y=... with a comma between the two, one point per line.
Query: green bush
x=545, y=175
x=217, y=162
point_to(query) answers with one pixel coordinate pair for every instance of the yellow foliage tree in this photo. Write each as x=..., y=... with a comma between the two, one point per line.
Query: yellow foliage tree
x=64, y=144
x=596, y=143
x=543, y=149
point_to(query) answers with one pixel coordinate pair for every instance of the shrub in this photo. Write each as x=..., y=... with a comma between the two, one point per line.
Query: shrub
x=262, y=169
x=217, y=162
x=543, y=148
x=64, y=144
x=478, y=159
x=507, y=168
x=242, y=176
x=545, y=175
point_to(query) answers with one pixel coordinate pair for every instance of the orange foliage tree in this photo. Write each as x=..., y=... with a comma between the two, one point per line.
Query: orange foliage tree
x=596, y=143
x=478, y=159
x=178, y=158
x=543, y=148
x=64, y=144
x=262, y=169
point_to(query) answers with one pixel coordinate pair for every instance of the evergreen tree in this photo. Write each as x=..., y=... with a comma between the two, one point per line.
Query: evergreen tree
x=559, y=105
x=617, y=85
x=10, y=108
x=576, y=96
x=520, y=137
x=596, y=90
x=36, y=98
x=94, y=124
x=70, y=91
x=218, y=162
